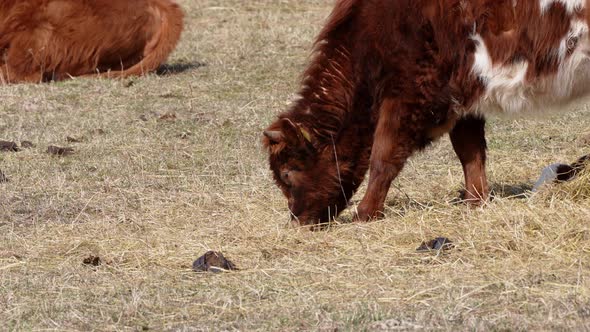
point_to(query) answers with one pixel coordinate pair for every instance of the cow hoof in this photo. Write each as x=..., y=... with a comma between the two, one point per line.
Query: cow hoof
x=367, y=215
x=470, y=200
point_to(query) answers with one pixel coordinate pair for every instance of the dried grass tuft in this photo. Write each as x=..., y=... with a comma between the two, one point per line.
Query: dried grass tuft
x=579, y=188
x=148, y=199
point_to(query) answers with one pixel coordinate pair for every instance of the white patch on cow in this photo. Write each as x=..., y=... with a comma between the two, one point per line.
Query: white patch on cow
x=505, y=85
x=509, y=91
x=577, y=30
x=573, y=75
x=571, y=6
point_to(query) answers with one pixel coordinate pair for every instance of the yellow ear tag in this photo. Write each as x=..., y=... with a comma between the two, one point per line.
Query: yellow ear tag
x=305, y=134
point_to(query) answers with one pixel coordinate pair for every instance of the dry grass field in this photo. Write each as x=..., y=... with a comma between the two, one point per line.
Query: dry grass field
x=169, y=166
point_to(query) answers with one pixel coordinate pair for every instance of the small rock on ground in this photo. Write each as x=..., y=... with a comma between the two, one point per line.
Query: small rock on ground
x=213, y=261
x=440, y=243
x=8, y=146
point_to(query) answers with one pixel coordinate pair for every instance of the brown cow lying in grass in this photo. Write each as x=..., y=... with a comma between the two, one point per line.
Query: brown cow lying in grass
x=42, y=40
x=389, y=77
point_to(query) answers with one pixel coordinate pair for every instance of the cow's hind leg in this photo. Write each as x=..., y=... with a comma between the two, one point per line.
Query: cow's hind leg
x=394, y=141
x=468, y=139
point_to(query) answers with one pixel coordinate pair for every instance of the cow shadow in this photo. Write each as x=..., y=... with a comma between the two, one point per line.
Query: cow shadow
x=501, y=190
x=400, y=206
x=515, y=191
x=178, y=67
x=394, y=207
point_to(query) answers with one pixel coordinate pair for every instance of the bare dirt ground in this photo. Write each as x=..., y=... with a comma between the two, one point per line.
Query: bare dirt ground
x=169, y=166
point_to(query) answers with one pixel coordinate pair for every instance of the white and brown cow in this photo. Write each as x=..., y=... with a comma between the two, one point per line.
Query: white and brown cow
x=389, y=77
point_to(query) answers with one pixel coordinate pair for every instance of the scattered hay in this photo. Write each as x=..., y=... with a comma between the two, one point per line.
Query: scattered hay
x=73, y=139
x=578, y=189
x=585, y=139
x=27, y=144
x=147, y=201
x=59, y=151
x=168, y=116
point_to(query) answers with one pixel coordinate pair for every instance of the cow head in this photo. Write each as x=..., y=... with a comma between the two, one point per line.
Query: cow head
x=316, y=178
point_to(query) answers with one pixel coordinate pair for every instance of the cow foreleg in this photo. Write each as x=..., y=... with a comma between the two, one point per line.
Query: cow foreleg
x=468, y=139
x=392, y=145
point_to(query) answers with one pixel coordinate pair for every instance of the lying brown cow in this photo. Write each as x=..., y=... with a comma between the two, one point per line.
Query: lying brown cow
x=43, y=40
x=389, y=77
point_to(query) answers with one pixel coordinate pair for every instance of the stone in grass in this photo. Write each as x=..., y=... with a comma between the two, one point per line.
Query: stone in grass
x=57, y=151
x=213, y=261
x=8, y=146
x=27, y=144
x=440, y=243
x=92, y=260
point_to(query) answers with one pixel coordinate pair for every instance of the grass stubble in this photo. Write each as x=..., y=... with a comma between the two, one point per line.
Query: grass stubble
x=171, y=166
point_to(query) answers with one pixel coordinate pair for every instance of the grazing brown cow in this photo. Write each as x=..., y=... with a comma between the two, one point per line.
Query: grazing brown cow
x=389, y=77
x=42, y=40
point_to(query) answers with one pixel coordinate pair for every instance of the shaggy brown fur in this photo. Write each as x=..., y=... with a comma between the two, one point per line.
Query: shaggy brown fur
x=389, y=77
x=43, y=40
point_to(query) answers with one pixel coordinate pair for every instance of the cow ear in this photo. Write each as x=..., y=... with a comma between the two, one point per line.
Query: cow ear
x=290, y=132
x=277, y=132
x=274, y=136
